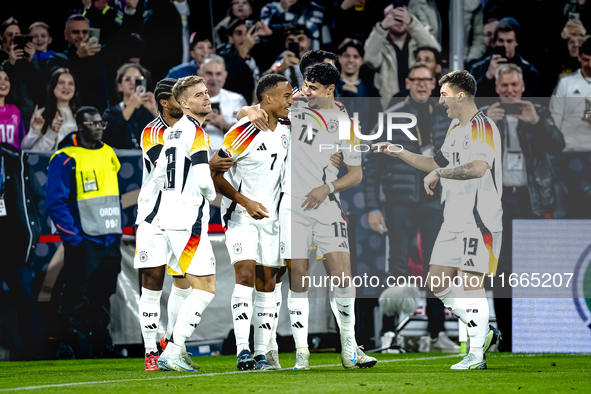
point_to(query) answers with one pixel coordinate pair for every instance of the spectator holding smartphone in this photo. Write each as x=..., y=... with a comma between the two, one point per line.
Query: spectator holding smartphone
x=11, y=124
x=390, y=47
x=51, y=124
x=28, y=83
x=528, y=135
x=126, y=120
x=84, y=59
x=506, y=37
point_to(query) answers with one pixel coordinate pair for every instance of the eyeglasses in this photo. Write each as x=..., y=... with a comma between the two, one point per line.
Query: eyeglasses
x=418, y=80
x=98, y=124
x=133, y=79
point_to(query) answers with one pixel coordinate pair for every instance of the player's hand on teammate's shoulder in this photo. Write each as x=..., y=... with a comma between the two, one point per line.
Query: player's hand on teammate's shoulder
x=258, y=117
x=256, y=210
x=220, y=164
x=316, y=197
x=431, y=181
x=387, y=148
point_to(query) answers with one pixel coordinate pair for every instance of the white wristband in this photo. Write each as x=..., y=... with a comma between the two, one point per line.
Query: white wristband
x=331, y=187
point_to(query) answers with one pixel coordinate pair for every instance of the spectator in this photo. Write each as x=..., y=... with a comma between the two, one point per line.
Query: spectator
x=11, y=123
x=408, y=208
x=41, y=40
x=561, y=57
x=92, y=259
x=288, y=62
x=431, y=58
x=225, y=104
x=201, y=48
x=489, y=42
x=84, y=60
x=8, y=30
x=28, y=83
x=567, y=104
x=243, y=69
x=238, y=9
x=279, y=14
x=352, y=86
x=174, y=20
x=506, y=35
x=126, y=120
x=528, y=184
x=390, y=46
x=51, y=124
x=428, y=13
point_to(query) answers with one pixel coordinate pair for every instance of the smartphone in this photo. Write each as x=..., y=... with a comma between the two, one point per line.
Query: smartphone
x=140, y=86
x=574, y=16
x=250, y=23
x=399, y=3
x=500, y=50
x=94, y=35
x=21, y=40
x=295, y=48
x=512, y=108
x=215, y=107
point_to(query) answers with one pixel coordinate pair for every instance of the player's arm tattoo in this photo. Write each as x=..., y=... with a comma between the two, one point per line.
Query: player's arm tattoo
x=465, y=171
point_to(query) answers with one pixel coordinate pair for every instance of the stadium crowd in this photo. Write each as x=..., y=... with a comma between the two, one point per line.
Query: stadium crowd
x=531, y=60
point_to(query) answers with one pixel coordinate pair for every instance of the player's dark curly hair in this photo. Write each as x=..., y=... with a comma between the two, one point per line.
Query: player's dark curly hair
x=314, y=57
x=460, y=80
x=268, y=82
x=322, y=73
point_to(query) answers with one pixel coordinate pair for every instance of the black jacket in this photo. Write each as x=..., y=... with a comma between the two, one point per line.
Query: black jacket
x=537, y=142
x=401, y=182
x=125, y=134
x=486, y=87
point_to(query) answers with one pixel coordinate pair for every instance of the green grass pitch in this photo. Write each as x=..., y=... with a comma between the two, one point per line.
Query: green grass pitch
x=402, y=373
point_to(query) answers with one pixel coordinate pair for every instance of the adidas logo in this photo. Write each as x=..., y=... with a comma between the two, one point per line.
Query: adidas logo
x=471, y=324
x=343, y=313
x=151, y=327
x=242, y=317
x=193, y=325
x=469, y=263
x=262, y=147
x=343, y=245
x=297, y=325
x=576, y=91
x=266, y=326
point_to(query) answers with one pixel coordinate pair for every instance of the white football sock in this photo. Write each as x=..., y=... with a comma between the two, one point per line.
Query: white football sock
x=264, y=314
x=454, y=299
x=278, y=301
x=345, y=300
x=189, y=316
x=149, y=309
x=299, y=311
x=477, y=315
x=175, y=300
x=242, y=313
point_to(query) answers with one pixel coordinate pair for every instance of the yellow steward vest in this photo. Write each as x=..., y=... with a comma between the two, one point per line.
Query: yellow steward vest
x=97, y=188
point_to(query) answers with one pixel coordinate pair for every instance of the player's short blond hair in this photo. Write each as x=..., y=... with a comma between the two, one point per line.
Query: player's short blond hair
x=182, y=84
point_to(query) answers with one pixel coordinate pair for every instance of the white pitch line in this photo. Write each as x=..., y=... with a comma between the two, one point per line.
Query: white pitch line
x=198, y=375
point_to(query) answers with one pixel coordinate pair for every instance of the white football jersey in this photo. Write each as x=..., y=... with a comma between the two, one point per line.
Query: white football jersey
x=310, y=152
x=183, y=172
x=151, y=143
x=472, y=202
x=259, y=158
